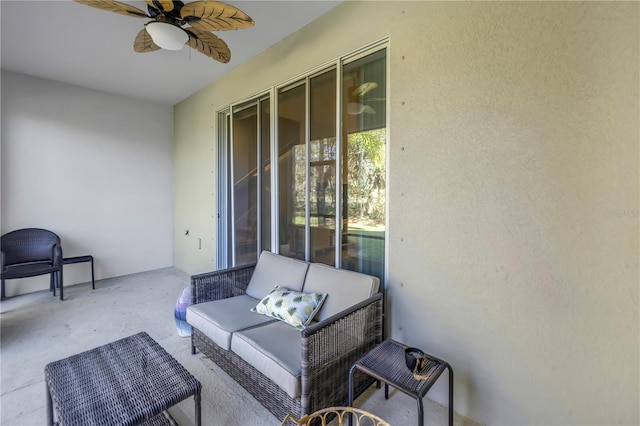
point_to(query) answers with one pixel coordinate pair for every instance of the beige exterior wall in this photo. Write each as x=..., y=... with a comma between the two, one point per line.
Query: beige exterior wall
x=513, y=193
x=93, y=167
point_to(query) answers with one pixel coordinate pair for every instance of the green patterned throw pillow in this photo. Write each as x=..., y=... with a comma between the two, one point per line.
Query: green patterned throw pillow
x=293, y=307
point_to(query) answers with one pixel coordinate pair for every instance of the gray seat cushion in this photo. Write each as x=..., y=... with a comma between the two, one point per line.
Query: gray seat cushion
x=274, y=350
x=344, y=288
x=220, y=318
x=273, y=269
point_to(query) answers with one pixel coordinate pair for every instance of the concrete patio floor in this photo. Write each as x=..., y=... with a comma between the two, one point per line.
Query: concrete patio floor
x=37, y=328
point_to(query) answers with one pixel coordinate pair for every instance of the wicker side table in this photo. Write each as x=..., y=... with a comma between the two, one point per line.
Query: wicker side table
x=127, y=382
x=80, y=259
x=386, y=363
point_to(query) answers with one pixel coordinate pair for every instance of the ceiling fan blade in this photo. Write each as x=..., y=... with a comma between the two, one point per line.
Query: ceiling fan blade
x=368, y=110
x=356, y=108
x=144, y=42
x=214, y=16
x=162, y=5
x=115, y=6
x=208, y=44
x=365, y=88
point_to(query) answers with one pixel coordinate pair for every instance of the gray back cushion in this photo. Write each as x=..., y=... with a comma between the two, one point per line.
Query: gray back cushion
x=344, y=288
x=273, y=269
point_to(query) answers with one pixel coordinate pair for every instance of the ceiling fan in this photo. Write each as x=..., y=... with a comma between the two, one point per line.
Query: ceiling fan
x=174, y=24
x=356, y=106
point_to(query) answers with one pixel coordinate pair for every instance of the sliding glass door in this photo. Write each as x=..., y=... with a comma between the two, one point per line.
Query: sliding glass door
x=326, y=199
x=364, y=138
x=245, y=184
x=307, y=168
x=322, y=169
x=291, y=145
x=246, y=207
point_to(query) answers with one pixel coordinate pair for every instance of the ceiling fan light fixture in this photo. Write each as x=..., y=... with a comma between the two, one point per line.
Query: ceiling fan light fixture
x=166, y=35
x=355, y=108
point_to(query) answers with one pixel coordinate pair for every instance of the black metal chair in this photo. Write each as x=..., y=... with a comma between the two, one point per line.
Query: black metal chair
x=30, y=252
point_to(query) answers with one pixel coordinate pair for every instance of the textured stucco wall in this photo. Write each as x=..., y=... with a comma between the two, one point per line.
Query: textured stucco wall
x=513, y=193
x=194, y=185
x=504, y=255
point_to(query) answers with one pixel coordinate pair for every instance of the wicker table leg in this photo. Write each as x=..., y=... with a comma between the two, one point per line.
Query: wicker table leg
x=196, y=400
x=450, y=395
x=49, y=407
x=351, y=371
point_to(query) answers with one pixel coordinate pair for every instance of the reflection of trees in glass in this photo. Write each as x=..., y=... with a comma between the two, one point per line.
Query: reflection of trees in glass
x=366, y=176
x=322, y=182
x=300, y=174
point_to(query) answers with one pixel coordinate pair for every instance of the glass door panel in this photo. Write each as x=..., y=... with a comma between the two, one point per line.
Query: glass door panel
x=364, y=164
x=265, y=176
x=292, y=160
x=245, y=185
x=224, y=225
x=322, y=168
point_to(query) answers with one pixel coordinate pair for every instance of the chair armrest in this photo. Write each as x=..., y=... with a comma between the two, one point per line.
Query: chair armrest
x=220, y=284
x=1, y=260
x=332, y=346
x=57, y=255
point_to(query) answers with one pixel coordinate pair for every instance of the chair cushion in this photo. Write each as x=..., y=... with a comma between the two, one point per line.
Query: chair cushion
x=344, y=288
x=273, y=269
x=220, y=318
x=293, y=307
x=274, y=350
x=28, y=270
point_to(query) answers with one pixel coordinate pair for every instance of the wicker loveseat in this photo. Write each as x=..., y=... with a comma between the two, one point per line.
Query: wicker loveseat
x=287, y=370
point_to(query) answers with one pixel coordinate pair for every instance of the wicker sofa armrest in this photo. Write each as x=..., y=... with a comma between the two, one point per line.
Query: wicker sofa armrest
x=331, y=347
x=220, y=284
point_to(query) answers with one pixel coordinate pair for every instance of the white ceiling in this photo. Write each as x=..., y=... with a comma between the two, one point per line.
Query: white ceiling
x=73, y=43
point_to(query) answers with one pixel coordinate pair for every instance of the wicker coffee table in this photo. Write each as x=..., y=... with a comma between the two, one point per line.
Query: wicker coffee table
x=128, y=382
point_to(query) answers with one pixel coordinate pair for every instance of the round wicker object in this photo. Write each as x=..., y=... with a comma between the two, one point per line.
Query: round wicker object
x=337, y=416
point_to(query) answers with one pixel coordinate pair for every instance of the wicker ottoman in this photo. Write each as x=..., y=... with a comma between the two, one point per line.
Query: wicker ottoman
x=128, y=382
